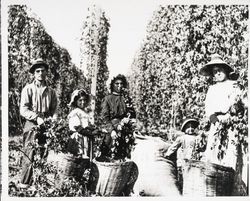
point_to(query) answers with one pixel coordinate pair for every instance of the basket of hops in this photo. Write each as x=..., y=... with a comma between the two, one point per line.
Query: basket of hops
x=116, y=172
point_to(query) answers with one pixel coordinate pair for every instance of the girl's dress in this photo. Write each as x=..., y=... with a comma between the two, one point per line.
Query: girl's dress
x=78, y=117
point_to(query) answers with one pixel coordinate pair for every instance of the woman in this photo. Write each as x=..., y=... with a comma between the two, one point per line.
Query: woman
x=116, y=106
x=79, y=120
x=218, y=105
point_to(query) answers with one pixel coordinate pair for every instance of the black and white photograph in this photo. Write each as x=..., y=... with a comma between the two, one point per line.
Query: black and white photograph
x=124, y=98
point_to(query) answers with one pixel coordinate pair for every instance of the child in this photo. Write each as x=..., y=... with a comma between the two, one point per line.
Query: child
x=184, y=145
x=79, y=121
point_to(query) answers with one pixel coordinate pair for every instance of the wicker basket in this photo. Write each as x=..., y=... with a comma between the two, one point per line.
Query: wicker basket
x=207, y=179
x=113, y=177
x=68, y=165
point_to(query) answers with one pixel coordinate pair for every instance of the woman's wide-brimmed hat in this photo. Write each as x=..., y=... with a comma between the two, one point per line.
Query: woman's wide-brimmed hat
x=76, y=93
x=216, y=59
x=195, y=122
x=37, y=63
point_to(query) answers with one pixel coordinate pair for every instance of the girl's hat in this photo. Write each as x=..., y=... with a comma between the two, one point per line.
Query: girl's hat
x=75, y=94
x=216, y=59
x=188, y=120
x=37, y=63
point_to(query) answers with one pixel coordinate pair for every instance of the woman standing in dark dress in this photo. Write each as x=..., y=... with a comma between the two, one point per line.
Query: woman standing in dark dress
x=116, y=106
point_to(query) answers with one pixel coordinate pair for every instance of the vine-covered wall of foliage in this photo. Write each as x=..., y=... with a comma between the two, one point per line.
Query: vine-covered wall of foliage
x=28, y=40
x=165, y=80
x=94, y=54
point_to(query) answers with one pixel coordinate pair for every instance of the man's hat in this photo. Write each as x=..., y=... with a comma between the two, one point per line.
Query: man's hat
x=37, y=63
x=216, y=59
x=188, y=120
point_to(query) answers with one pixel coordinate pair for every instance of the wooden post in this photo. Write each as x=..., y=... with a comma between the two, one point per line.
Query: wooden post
x=94, y=58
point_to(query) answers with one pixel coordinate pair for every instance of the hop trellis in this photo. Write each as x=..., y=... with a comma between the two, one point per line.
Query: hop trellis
x=94, y=53
x=179, y=40
x=27, y=40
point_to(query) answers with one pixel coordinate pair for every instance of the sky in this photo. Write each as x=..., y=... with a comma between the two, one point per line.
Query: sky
x=128, y=19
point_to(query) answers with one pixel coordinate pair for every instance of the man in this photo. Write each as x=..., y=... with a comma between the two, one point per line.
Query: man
x=38, y=102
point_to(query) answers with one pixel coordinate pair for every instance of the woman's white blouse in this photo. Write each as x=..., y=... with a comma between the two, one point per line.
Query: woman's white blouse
x=221, y=96
x=78, y=117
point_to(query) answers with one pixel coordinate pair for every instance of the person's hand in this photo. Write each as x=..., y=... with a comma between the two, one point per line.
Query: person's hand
x=125, y=120
x=39, y=121
x=119, y=127
x=54, y=117
x=133, y=123
x=114, y=135
x=104, y=130
x=75, y=136
x=95, y=132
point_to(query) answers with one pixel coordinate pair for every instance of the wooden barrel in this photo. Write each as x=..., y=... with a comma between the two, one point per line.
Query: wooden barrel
x=113, y=178
x=207, y=179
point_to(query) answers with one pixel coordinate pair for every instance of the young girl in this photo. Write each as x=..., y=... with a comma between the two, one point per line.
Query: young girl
x=79, y=120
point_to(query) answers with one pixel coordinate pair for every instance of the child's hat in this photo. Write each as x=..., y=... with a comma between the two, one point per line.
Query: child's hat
x=76, y=93
x=188, y=120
